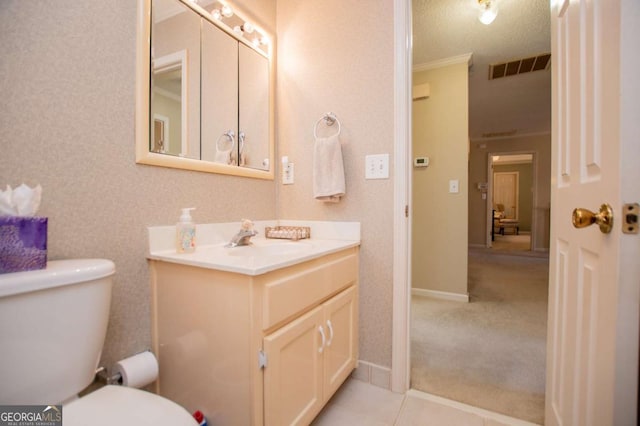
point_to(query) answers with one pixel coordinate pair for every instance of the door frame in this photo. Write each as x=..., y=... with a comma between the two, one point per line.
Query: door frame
x=401, y=308
x=401, y=305
x=534, y=201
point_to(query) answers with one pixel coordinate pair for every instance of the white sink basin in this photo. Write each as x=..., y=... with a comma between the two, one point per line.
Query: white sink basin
x=276, y=248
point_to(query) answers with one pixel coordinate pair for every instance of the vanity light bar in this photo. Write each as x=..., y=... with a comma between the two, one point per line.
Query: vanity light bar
x=247, y=27
x=239, y=27
x=240, y=30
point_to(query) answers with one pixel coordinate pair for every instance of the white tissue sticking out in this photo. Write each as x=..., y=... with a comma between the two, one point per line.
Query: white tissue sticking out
x=22, y=201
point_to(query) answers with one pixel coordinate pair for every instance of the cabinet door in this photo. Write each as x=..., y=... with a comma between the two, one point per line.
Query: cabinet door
x=219, y=95
x=292, y=377
x=254, y=107
x=341, y=350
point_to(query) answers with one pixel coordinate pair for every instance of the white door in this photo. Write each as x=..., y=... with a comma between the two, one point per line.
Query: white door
x=592, y=354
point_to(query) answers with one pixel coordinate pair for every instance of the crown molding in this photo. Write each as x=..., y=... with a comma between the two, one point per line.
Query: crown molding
x=453, y=60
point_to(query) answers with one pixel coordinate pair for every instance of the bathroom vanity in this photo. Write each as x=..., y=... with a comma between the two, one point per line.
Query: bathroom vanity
x=263, y=337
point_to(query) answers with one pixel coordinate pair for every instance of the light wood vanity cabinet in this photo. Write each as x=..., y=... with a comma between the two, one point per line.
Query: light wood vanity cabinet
x=304, y=370
x=213, y=331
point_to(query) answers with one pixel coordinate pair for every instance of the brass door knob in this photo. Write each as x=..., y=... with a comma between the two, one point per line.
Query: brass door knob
x=582, y=218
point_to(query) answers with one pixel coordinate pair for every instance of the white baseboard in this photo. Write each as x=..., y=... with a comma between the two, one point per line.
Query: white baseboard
x=477, y=246
x=442, y=295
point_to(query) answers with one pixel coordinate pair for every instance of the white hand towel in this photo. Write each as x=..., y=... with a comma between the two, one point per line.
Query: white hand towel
x=328, y=170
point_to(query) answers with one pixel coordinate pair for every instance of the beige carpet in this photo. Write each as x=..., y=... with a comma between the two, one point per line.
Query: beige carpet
x=510, y=242
x=490, y=352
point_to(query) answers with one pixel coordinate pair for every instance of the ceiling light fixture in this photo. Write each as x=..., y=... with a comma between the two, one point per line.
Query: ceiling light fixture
x=488, y=11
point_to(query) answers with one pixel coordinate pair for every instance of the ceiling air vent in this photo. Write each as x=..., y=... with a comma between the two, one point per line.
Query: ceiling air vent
x=519, y=66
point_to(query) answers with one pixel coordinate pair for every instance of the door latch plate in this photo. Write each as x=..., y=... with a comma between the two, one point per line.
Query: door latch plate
x=630, y=215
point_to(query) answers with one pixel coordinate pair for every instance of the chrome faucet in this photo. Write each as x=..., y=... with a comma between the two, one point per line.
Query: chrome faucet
x=243, y=237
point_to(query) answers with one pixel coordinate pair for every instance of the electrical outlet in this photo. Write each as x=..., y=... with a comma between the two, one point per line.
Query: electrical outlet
x=454, y=186
x=376, y=166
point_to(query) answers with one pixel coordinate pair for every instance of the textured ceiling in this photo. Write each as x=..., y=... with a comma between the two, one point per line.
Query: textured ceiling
x=447, y=28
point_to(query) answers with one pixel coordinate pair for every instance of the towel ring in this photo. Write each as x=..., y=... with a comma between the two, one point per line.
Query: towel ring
x=231, y=136
x=329, y=119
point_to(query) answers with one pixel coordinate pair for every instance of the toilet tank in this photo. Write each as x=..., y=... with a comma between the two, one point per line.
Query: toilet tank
x=53, y=323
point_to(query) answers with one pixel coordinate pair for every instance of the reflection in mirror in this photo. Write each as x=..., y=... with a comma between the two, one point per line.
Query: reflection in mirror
x=175, y=79
x=169, y=132
x=226, y=149
x=254, y=109
x=219, y=94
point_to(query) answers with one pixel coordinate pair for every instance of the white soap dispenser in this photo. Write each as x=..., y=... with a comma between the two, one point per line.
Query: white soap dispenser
x=186, y=232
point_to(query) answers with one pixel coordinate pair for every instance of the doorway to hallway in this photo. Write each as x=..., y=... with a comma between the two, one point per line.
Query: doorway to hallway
x=490, y=352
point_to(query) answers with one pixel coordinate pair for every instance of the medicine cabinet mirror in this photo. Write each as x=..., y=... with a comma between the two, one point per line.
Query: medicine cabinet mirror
x=204, y=89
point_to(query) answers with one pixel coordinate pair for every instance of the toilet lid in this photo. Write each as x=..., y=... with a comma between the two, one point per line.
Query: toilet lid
x=119, y=405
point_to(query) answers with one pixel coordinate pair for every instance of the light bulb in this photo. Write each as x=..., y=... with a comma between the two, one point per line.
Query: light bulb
x=256, y=42
x=248, y=27
x=237, y=30
x=226, y=11
x=487, y=16
x=488, y=11
x=264, y=40
x=215, y=13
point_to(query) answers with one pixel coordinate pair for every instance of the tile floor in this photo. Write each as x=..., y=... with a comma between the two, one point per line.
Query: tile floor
x=360, y=403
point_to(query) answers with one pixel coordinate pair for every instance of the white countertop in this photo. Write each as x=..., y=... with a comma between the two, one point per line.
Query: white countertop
x=263, y=255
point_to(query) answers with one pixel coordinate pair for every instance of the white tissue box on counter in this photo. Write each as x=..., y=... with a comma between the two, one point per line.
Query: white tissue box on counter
x=23, y=243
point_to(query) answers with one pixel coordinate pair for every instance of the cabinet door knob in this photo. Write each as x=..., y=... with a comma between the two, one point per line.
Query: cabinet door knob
x=324, y=339
x=330, y=327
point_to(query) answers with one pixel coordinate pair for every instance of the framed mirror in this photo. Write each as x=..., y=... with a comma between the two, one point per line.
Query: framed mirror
x=205, y=86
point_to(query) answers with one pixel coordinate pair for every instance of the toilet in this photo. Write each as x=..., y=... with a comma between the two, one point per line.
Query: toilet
x=53, y=323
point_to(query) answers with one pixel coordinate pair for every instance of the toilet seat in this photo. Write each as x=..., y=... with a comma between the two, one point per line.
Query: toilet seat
x=119, y=405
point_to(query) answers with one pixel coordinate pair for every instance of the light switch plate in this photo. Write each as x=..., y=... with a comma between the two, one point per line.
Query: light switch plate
x=454, y=186
x=376, y=166
x=287, y=174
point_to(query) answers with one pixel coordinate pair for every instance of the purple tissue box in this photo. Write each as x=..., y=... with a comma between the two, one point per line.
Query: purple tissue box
x=23, y=243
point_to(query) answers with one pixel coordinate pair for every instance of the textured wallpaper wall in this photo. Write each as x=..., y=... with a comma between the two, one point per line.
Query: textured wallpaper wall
x=337, y=56
x=67, y=93
x=67, y=84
